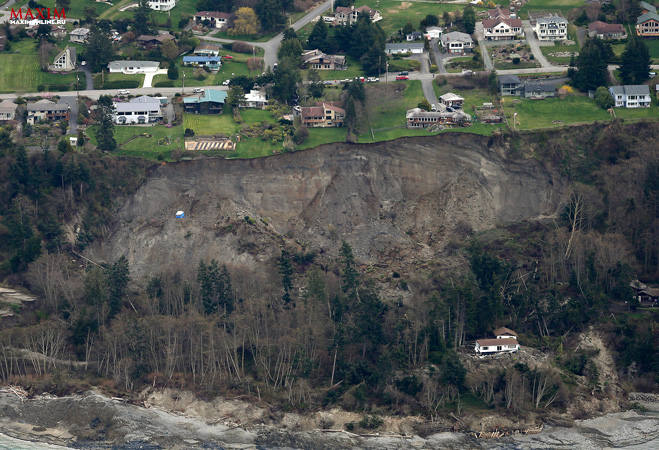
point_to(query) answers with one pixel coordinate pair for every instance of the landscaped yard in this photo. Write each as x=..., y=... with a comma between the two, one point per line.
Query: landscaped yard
x=534, y=114
x=354, y=70
x=132, y=143
x=101, y=81
x=459, y=63
x=653, y=47
x=548, y=51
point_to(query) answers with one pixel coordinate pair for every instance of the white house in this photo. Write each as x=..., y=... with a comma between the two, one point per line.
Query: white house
x=162, y=5
x=216, y=19
x=348, y=15
x=133, y=67
x=502, y=28
x=255, y=99
x=505, y=342
x=142, y=109
x=456, y=42
x=207, y=50
x=433, y=32
x=451, y=100
x=631, y=96
x=413, y=36
x=7, y=110
x=65, y=61
x=552, y=28
x=79, y=35
x=404, y=47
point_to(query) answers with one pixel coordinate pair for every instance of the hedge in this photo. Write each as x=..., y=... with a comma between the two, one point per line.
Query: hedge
x=54, y=87
x=168, y=83
x=121, y=84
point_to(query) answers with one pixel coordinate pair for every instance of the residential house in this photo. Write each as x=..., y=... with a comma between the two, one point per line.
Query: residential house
x=214, y=19
x=645, y=295
x=47, y=111
x=413, y=36
x=162, y=5
x=509, y=84
x=602, y=30
x=148, y=41
x=537, y=90
x=211, y=101
x=646, y=8
x=457, y=43
x=647, y=25
x=79, y=35
x=348, y=15
x=65, y=61
x=255, y=99
x=451, y=100
x=551, y=28
x=420, y=118
x=433, y=32
x=500, y=13
x=324, y=114
x=8, y=110
x=656, y=88
x=212, y=62
x=505, y=342
x=59, y=32
x=133, y=67
x=631, y=96
x=207, y=50
x=502, y=28
x=315, y=59
x=403, y=47
x=142, y=109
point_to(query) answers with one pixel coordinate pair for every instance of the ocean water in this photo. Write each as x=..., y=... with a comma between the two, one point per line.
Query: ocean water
x=9, y=443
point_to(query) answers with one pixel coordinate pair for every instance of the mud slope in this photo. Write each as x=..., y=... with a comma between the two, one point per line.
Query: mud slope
x=399, y=198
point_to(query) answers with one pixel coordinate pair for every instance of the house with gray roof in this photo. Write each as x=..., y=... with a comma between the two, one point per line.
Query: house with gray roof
x=133, y=67
x=8, y=110
x=79, y=35
x=647, y=25
x=551, y=28
x=142, y=109
x=509, y=84
x=47, y=111
x=456, y=43
x=646, y=7
x=631, y=96
x=65, y=61
x=211, y=101
x=537, y=90
x=403, y=47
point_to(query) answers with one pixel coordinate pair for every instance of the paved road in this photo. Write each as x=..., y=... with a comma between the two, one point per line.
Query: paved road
x=270, y=47
x=535, y=44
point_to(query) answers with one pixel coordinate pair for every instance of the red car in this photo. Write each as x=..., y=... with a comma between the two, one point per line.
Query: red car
x=402, y=77
x=227, y=57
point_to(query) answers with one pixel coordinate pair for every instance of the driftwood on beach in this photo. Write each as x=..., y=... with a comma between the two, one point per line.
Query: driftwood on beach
x=502, y=433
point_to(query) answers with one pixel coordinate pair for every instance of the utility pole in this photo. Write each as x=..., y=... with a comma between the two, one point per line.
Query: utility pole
x=77, y=89
x=183, y=88
x=386, y=74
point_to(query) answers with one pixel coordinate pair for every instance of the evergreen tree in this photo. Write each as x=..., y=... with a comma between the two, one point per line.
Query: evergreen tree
x=117, y=279
x=350, y=275
x=270, y=14
x=99, y=50
x=286, y=271
x=350, y=119
x=374, y=62
x=19, y=171
x=493, y=82
x=291, y=49
x=286, y=77
x=430, y=20
x=318, y=37
x=635, y=62
x=469, y=20
x=446, y=17
x=235, y=97
x=591, y=65
x=105, y=127
x=172, y=72
x=141, y=18
x=290, y=33
x=316, y=86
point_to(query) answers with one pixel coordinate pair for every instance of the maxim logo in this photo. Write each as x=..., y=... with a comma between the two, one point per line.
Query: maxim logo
x=37, y=16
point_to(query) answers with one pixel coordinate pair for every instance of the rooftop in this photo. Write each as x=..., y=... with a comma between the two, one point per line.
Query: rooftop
x=128, y=63
x=631, y=89
x=646, y=5
x=509, y=79
x=647, y=16
x=456, y=36
x=209, y=95
x=403, y=45
x=214, y=14
x=504, y=330
x=496, y=342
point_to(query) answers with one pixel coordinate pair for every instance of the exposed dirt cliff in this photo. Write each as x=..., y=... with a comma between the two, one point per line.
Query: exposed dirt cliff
x=394, y=199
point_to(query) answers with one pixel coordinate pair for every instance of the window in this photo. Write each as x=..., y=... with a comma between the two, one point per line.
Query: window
x=498, y=348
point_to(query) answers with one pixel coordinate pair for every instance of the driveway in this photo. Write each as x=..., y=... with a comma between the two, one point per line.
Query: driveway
x=73, y=119
x=485, y=53
x=438, y=55
x=581, y=35
x=88, y=76
x=535, y=45
x=148, y=78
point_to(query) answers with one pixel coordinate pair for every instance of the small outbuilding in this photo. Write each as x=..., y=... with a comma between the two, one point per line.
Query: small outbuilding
x=180, y=215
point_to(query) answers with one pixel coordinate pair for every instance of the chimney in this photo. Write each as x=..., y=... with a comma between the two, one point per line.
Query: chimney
x=352, y=7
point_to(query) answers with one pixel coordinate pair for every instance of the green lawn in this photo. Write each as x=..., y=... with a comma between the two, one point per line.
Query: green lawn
x=145, y=147
x=99, y=79
x=211, y=124
x=320, y=136
x=559, y=48
x=20, y=71
x=652, y=44
x=77, y=8
x=457, y=64
x=534, y=114
x=549, y=5
x=521, y=65
x=245, y=37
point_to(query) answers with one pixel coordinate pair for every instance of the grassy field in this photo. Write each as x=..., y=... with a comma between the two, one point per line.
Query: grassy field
x=320, y=136
x=653, y=47
x=77, y=8
x=145, y=147
x=109, y=77
x=245, y=37
x=549, y=5
x=20, y=70
x=209, y=125
x=536, y=114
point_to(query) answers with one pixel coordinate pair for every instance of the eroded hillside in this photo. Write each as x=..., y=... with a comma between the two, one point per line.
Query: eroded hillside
x=400, y=198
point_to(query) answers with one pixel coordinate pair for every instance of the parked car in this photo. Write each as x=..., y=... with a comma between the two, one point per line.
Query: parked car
x=328, y=82
x=402, y=77
x=433, y=107
x=404, y=72
x=227, y=57
x=197, y=90
x=123, y=92
x=372, y=79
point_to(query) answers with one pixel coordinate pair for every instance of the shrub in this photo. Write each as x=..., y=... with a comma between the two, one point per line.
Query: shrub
x=433, y=68
x=603, y=98
x=516, y=60
x=416, y=65
x=188, y=132
x=242, y=47
x=301, y=135
x=121, y=84
x=172, y=72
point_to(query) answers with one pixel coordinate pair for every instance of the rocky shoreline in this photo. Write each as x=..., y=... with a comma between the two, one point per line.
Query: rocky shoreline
x=94, y=421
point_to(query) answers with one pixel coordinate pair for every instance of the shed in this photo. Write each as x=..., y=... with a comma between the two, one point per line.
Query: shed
x=180, y=215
